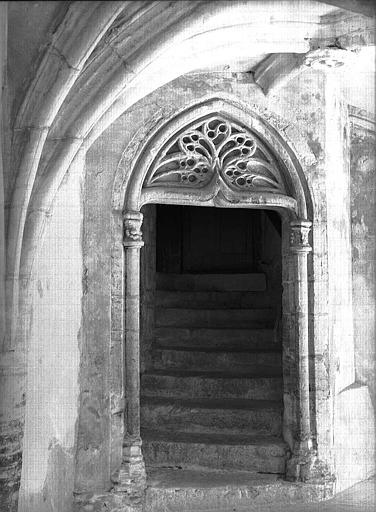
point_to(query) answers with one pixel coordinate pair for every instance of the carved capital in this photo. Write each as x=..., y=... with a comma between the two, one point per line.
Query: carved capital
x=132, y=229
x=299, y=236
x=328, y=58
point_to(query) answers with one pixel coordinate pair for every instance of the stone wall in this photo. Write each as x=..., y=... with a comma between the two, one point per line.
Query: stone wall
x=363, y=231
x=102, y=356
x=53, y=358
x=297, y=112
x=354, y=427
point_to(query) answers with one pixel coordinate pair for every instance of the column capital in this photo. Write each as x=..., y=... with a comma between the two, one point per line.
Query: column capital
x=328, y=58
x=299, y=233
x=132, y=229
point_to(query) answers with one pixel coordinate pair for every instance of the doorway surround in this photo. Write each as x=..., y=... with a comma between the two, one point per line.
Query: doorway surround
x=218, y=154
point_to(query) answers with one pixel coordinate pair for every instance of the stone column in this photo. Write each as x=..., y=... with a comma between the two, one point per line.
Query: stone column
x=299, y=248
x=132, y=477
x=304, y=464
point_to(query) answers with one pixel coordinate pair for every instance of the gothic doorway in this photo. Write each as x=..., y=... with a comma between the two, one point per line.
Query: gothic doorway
x=213, y=393
x=218, y=155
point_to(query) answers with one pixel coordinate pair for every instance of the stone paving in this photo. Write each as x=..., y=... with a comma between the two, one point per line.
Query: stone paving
x=359, y=498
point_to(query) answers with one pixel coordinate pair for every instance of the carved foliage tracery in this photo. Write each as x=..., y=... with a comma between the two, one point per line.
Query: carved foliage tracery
x=215, y=148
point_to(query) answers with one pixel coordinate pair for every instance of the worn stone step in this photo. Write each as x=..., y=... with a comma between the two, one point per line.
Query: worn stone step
x=253, y=453
x=219, y=318
x=227, y=339
x=212, y=415
x=264, y=383
x=211, y=282
x=214, y=300
x=212, y=358
x=201, y=490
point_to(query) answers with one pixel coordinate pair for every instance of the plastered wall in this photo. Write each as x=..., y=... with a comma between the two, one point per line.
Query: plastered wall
x=53, y=358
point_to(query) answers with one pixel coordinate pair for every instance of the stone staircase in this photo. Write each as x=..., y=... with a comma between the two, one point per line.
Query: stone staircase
x=211, y=406
x=213, y=398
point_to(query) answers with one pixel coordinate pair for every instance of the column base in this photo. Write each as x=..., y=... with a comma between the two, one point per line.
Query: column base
x=129, y=485
x=131, y=478
x=305, y=466
x=110, y=501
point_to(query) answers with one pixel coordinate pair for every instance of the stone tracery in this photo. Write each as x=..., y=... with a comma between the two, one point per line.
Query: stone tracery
x=216, y=148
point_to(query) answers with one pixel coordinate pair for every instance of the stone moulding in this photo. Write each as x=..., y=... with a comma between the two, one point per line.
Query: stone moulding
x=362, y=119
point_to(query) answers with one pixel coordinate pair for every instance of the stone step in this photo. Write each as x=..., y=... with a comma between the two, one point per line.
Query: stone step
x=219, y=318
x=226, y=339
x=264, y=383
x=211, y=282
x=212, y=358
x=212, y=300
x=213, y=415
x=253, y=453
x=188, y=490
x=200, y=490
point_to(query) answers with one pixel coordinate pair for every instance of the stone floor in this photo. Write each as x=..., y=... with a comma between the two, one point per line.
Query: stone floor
x=198, y=491
x=359, y=498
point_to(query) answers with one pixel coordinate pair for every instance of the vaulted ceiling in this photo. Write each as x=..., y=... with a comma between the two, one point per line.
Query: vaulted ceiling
x=74, y=67
x=32, y=24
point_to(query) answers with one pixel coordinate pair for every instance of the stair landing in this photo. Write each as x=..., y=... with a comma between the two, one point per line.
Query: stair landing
x=198, y=490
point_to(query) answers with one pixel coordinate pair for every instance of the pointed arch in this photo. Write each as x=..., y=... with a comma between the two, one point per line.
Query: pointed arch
x=143, y=178
x=291, y=194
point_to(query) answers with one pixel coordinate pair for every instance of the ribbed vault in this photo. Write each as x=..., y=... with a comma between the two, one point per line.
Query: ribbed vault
x=105, y=56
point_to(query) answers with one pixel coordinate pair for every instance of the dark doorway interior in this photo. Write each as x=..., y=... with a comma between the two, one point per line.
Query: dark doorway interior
x=198, y=240
x=212, y=395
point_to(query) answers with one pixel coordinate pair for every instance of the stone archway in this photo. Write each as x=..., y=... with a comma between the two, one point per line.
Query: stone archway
x=218, y=154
